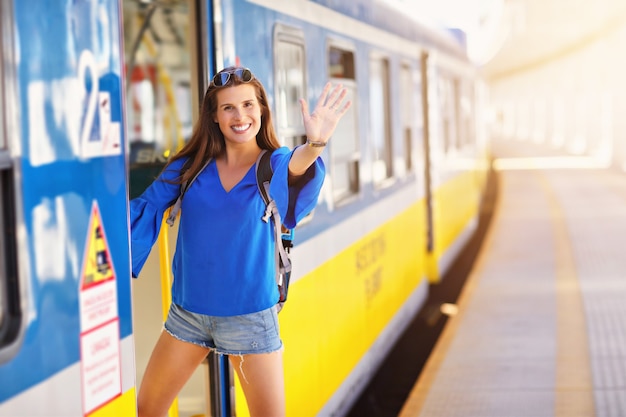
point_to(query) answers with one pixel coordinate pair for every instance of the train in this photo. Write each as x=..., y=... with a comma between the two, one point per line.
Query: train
x=94, y=97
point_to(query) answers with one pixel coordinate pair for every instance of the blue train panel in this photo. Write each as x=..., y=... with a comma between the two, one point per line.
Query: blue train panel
x=70, y=157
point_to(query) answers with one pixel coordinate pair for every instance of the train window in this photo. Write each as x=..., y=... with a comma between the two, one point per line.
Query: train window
x=447, y=94
x=418, y=114
x=380, y=120
x=467, y=112
x=290, y=76
x=10, y=315
x=344, y=149
x=159, y=98
x=341, y=63
x=407, y=112
x=456, y=114
x=11, y=307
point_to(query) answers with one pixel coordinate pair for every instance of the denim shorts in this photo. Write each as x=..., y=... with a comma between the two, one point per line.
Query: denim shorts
x=234, y=335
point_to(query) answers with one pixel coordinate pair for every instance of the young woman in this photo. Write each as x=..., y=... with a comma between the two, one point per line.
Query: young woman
x=224, y=292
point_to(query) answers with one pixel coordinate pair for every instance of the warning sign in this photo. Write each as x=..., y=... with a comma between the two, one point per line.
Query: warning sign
x=99, y=321
x=97, y=266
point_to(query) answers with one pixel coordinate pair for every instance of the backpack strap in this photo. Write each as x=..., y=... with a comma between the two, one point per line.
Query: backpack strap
x=264, y=174
x=183, y=189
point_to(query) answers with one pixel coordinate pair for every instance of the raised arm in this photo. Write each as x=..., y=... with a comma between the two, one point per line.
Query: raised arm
x=319, y=126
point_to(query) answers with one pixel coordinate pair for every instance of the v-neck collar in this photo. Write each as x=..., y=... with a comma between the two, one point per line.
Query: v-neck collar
x=219, y=178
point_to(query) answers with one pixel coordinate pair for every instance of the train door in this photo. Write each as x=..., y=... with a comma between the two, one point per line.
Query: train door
x=428, y=180
x=66, y=337
x=167, y=48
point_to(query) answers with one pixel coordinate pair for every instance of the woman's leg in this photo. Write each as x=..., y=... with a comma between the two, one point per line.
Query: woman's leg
x=263, y=382
x=171, y=364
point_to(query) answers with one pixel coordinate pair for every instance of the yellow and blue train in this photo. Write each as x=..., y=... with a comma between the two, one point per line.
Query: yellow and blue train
x=94, y=97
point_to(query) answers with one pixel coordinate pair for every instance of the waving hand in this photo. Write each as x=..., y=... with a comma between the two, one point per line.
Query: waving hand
x=319, y=127
x=331, y=106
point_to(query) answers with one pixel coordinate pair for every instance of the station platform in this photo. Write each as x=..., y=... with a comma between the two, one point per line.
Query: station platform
x=541, y=323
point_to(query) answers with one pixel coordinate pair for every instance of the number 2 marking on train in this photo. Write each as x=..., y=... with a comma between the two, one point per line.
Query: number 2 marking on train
x=87, y=62
x=100, y=133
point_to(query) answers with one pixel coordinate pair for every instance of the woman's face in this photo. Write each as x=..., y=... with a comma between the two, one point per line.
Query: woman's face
x=238, y=113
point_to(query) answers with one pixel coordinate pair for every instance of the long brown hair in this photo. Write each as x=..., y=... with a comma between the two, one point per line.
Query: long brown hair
x=207, y=140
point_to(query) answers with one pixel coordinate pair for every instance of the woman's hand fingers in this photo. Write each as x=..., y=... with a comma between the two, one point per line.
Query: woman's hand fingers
x=305, y=108
x=331, y=106
x=336, y=97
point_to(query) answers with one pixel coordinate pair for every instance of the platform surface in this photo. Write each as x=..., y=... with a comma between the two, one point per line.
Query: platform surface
x=541, y=327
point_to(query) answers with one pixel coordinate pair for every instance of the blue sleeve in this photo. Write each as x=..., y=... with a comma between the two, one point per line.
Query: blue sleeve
x=295, y=201
x=146, y=215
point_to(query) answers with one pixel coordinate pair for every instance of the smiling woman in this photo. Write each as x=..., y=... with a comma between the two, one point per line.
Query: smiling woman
x=212, y=282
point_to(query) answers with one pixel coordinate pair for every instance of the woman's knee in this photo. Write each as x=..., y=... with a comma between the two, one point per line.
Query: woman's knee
x=148, y=409
x=262, y=380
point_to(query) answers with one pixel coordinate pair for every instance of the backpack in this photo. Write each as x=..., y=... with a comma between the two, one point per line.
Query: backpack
x=283, y=235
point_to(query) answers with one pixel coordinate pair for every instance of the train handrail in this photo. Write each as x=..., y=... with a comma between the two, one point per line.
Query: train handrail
x=166, y=285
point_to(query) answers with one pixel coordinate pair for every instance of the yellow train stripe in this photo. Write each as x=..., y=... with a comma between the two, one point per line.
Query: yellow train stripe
x=336, y=312
x=455, y=205
x=124, y=405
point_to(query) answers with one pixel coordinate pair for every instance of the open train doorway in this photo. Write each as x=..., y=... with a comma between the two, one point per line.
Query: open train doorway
x=166, y=71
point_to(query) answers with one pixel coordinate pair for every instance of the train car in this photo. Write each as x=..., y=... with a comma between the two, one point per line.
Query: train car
x=405, y=175
x=66, y=340
x=95, y=97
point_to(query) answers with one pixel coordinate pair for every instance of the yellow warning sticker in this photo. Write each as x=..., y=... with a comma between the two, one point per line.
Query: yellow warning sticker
x=97, y=263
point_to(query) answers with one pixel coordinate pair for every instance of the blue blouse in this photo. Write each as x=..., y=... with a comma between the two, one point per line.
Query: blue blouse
x=224, y=261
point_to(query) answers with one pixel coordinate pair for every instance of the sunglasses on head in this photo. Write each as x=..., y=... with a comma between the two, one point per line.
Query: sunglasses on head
x=222, y=78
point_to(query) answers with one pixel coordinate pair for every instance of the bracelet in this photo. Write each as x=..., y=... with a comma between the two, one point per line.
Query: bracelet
x=315, y=144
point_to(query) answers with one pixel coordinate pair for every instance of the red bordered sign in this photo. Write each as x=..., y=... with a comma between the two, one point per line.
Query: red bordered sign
x=99, y=320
